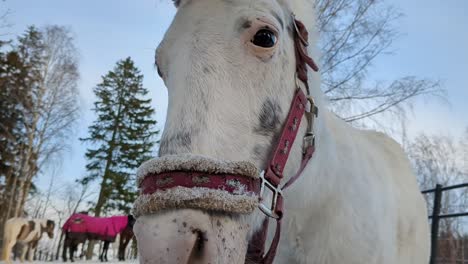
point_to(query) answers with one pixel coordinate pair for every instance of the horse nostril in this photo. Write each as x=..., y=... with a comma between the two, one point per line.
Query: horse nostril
x=199, y=246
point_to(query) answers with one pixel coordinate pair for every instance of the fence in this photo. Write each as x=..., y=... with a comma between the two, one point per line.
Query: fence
x=436, y=216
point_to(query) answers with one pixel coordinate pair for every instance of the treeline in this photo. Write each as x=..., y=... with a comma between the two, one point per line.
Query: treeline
x=39, y=106
x=38, y=114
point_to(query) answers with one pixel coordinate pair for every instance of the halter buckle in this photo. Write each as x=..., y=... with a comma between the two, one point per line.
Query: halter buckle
x=309, y=137
x=269, y=210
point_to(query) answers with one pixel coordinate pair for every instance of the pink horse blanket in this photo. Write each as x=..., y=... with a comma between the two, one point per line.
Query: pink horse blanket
x=103, y=228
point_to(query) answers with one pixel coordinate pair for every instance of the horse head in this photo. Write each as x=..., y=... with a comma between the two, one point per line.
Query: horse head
x=49, y=228
x=131, y=221
x=231, y=72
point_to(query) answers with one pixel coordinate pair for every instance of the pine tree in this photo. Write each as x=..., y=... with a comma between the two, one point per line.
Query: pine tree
x=121, y=136
x=15, y=102
x=18, y=82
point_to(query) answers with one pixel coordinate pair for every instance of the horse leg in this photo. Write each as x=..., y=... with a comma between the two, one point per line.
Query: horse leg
x=72, y=250
x=24, y=250
x=32, y=248
x=21, y=254
x=101, y=252
x=125, y=244
x=83, y=246
x=64, y=250
x=66, y=244
x=8, y=246
x=106, y=248
x=10, y=233
x=121, y=248
x=122, y=244
x=104, y=251
x=16, y=251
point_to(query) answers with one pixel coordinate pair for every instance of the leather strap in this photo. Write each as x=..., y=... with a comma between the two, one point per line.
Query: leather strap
x=190, y=179
x=274, y=172
x=309, y=152
x=256, y=248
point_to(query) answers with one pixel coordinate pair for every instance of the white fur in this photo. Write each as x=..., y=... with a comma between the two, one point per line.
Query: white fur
x=357, y=200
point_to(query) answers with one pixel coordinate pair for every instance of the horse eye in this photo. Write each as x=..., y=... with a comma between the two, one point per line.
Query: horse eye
x=264, y=38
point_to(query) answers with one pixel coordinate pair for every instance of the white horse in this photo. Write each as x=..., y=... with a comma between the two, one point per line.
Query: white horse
x=25, y=231
x=230, y=67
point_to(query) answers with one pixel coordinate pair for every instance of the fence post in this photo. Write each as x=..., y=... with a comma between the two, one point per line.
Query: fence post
x=435, y=223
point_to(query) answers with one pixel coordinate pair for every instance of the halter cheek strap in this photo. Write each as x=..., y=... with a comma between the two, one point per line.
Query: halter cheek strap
x=273, y=174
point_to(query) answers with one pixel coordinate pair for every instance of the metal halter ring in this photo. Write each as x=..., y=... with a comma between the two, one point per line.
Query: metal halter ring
x=269, y=210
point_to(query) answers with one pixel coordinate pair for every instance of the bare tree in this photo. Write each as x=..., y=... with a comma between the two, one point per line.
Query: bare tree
x=464, y=147
x=72, y=199
x=353, y=33
x=442, y=160
x=55, y=105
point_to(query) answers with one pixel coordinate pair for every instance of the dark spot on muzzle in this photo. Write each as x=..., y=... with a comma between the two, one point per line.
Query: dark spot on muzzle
x=200, y=243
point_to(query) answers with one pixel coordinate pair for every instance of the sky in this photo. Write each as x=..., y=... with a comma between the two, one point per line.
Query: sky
x=433, y=44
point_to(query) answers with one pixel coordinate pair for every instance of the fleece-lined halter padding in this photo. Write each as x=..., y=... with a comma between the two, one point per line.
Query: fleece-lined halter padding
x=195, y=197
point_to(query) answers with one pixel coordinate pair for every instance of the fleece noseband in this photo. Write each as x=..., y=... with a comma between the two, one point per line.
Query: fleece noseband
x=199, y=182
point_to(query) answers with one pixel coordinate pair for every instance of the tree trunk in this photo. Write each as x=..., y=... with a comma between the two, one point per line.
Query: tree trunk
x=25, y=171
x=26, y=189
x=102, y=198
x=102, y=192
x=10, y=202
x=99, y=205
x=8, y=181
x=28, y=170
x=5, y=201
x=57, y=254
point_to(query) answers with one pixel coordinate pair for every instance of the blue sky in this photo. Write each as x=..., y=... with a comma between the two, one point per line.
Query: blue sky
x=434, y=45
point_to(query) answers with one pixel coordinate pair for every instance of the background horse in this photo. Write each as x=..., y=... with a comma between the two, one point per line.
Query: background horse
x=28, y=232
x=81, y=227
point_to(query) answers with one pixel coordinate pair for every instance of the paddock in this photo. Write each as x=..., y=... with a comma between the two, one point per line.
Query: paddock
x=444, y=250
x=447, y=248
